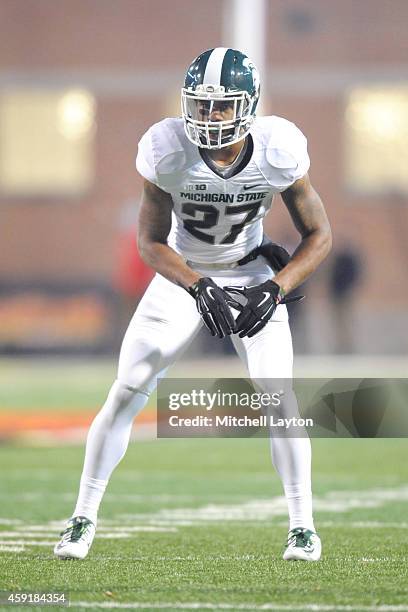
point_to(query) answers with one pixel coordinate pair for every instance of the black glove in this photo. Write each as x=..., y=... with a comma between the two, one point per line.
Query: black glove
x=262, y=301
x=213, y=304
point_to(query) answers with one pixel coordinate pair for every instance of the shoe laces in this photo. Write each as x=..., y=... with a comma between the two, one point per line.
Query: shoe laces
x=299, y=537
x=74, y=531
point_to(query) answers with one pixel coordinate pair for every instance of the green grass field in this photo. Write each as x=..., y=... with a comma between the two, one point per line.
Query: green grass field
x=200, y=525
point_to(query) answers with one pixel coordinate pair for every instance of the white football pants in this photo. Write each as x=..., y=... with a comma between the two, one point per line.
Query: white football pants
x=162, y=327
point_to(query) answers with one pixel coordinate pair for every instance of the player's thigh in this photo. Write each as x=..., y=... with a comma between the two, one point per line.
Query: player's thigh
x=269, y=359
x=268, y=354
x=163, y=325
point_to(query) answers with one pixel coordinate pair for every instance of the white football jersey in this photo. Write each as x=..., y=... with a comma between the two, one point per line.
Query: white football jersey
x=215, y=219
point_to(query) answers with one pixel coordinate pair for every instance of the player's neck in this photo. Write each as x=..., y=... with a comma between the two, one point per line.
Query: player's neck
x=227, y=155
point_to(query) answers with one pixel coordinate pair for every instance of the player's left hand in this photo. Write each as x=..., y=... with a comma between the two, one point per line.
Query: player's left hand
x=262, y=301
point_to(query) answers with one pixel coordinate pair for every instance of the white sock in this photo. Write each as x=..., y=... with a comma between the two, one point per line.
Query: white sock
x=107, y=442
x=91, y=491
x=299, y=499
x=292, y=460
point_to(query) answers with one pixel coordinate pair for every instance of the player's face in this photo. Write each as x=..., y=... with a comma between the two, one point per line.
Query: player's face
x=216, y=111
x=222, y=110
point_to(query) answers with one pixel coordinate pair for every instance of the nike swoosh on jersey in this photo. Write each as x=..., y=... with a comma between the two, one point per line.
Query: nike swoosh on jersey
x=246, y=187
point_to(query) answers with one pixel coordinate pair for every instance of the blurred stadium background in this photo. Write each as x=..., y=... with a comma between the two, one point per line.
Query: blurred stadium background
x=81, y=81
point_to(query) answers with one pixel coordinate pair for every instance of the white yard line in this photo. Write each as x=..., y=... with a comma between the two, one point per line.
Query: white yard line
x=264, y=509
x=226, y=606
x=169, y=520
x=130, y=529
x=11, y=548
x=6, y=521
x=254, y=509
x=23, y=534
x=27, y=542
x=110, y=497
x=102, y=533
x=364, y=524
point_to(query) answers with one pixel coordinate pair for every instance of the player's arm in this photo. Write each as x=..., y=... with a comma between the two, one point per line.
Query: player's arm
x=154, y=227
x=309, y=217
x=153, y=230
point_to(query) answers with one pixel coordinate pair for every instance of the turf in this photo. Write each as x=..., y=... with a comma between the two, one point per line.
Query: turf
x=214, y=544
x=44, y=384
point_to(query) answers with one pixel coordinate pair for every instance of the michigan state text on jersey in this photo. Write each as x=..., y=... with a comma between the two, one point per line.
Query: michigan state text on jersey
x=210, y=208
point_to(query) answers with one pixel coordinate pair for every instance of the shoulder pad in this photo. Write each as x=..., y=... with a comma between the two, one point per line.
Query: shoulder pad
x=167, y=150
x=285, y=148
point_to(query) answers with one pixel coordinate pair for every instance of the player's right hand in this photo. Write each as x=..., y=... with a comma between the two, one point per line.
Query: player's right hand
x=213, y=304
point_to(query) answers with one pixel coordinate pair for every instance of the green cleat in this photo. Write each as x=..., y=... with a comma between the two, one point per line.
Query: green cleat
x=76, y=539
x=303, y=545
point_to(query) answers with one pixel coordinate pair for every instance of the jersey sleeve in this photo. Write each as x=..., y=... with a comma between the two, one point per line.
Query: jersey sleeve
x=145, y=158
x=287, y=151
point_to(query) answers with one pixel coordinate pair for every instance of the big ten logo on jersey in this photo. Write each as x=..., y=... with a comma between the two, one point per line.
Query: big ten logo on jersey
x=195, y=187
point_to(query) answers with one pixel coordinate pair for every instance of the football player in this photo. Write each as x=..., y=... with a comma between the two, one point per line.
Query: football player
x=209, y=179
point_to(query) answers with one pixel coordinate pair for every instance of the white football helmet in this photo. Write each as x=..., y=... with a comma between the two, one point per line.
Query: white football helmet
x=223, y=80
